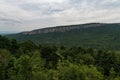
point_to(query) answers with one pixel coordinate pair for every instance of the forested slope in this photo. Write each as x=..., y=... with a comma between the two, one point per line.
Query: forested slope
x=28, y=61
x=103, y=36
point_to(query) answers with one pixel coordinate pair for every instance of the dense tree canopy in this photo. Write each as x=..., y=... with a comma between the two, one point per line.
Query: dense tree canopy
x=28, y=61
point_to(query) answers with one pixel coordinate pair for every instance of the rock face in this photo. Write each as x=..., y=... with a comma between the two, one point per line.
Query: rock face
x=61, y=28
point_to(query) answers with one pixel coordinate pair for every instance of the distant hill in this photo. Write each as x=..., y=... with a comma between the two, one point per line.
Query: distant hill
x=94, y=35
x=61, y=28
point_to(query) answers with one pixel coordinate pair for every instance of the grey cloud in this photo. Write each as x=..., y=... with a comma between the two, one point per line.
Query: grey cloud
x=43, y=8
x=30, y=7
x=10, y=20
x=42, y=13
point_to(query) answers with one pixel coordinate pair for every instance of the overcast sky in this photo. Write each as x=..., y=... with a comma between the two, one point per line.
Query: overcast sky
x=24, y=15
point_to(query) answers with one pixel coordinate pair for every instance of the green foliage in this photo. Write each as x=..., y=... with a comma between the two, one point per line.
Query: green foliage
x=113, y=74
x=51, y=57
x=28, y=46
x=4, y=61
x=23, y=67
x=28, y=61
x=4, y=43
x=106, y=60
x=105, y=36
x=79, y=72
x=117, y=78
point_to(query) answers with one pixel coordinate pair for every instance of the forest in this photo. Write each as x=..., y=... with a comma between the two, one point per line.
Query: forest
x=105, y=36
x=29, y=61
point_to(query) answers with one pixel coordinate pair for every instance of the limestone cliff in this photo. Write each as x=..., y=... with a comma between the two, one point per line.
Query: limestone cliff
x=61, y=28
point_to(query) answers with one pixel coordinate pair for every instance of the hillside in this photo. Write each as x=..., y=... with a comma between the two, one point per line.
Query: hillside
x=61, y=28
x=93, y=35
x=28, y=61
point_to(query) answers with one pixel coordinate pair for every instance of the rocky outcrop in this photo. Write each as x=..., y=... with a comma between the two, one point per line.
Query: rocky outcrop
x=61, y=28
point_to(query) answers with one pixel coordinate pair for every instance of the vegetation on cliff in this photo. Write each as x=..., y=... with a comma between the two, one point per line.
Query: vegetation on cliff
x=97, y=36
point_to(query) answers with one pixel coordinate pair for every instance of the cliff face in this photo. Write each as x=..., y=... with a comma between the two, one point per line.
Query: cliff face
x=61, y=28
